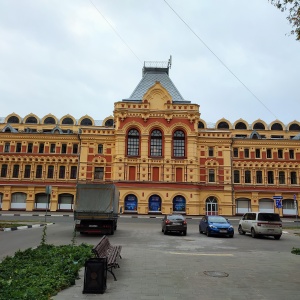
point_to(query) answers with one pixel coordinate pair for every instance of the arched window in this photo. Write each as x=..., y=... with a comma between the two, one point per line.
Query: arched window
x=259, y=126
x=223, y=125
x=65, y=202
x=179, y=144
x=294, y=127
x=276, y=126
x=131, y=203
x=67, y=121
x=211, y=206
x=13, y=119
x=49, y=120
x=109, y=123
x=31, y=120
x=156, y=143
x=240, y=125
x=200, y=125
x=179, y=204
x=41, y=201
x=86, y=122
x=155, y=204
x=18, y=201
x=133, y=143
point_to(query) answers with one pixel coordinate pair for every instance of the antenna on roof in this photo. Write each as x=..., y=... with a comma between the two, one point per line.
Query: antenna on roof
x=170, y=62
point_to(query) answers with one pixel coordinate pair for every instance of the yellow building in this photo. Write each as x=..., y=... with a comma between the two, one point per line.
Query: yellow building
x=162, y=156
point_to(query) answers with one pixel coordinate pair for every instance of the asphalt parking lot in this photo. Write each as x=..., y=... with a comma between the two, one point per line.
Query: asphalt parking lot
x=158, y=266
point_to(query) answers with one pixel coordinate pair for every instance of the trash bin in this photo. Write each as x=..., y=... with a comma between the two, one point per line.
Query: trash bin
x=95, y=274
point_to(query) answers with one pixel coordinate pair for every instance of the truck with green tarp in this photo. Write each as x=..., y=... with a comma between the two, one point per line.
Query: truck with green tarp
x=96, y=208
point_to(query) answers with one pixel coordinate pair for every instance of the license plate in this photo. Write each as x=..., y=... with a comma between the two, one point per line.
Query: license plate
x=223, y=230
x=92, y=225
x=176, y=223
x=270, y=229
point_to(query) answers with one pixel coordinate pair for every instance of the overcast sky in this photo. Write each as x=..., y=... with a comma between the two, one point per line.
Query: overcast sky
x=63, y=57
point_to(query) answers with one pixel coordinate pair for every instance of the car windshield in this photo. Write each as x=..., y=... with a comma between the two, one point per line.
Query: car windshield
x=268, y=217
x=217, y=219
x=176, y=218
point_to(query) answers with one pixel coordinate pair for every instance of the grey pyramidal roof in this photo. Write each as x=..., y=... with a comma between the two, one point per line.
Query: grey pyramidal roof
x=150, y=76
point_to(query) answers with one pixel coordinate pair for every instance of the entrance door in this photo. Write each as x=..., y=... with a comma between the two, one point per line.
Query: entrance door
x=211, y=206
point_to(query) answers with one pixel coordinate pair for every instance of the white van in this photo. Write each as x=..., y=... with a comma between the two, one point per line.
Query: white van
x=261, y=223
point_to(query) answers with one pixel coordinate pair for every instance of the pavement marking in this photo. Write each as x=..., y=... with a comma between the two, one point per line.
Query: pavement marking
x=201, y=254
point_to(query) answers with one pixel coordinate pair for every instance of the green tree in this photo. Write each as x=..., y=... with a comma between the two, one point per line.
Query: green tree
x=293, y=9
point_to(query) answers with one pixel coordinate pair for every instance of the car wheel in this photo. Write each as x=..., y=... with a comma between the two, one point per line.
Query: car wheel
x=231, y=236
x=253, y=234
x=165, y=232
x=207, y=232
x=162, y=230
x=277, y=237
x=200, y=230
x=240, y=230
x=184, y=232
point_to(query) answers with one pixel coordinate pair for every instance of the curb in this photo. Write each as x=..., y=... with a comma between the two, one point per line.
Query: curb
x=25, y=227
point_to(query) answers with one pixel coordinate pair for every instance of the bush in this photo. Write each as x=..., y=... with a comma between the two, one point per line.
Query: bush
x=296, y=251
x=40, y=273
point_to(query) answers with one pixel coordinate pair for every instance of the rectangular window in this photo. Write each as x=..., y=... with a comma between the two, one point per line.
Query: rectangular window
x=281, y=177
x=64, y=148
x=259, y=178
x=27, y=171
x=246, y=153
x=41, y=147
x=235, y=152
x=52, y=148
x=236, y=176
x=291, y=154
x=280, y=153
x=211, y=175
x=270, y=177
x=29, y=148
x=39, y=171
x=210, y=151
x=293, y=178
x=178, y=150
x=257, y=153
x=75, y=148
x=4, y=170
x=99, y=173
x=269, y=153
x=18, y=147
x=62, y=172
x=15, y=173
x=248, y=176
x=50, y=172
x=6, y=147
x=73, y=174
x=100, y=149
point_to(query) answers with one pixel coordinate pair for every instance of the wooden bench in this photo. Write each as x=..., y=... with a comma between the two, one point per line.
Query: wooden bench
x=105, y=249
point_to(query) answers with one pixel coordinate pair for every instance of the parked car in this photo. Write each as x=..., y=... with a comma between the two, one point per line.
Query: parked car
x=174, y=223
x=216, y=225
x=261, y=223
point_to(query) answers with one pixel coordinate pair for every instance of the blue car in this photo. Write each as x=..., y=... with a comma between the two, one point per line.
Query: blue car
x=216, y=225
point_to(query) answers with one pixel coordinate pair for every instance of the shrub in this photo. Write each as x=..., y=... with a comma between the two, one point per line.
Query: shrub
x=41, y=272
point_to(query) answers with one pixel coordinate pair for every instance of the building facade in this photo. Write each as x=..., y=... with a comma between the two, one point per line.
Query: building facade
x=161, y=154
